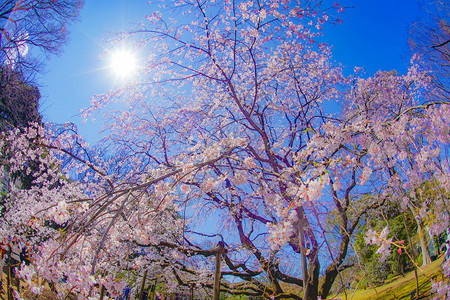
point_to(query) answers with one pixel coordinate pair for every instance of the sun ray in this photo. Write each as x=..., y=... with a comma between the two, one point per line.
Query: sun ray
x=123, y=63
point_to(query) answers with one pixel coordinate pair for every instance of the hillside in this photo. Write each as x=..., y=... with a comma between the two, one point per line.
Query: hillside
x=400, y=287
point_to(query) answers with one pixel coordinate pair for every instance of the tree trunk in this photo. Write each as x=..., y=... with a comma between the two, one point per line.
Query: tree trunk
x=313, y=282
x=333, y=270
x=299, y=243
x=426, y=258
x=304, y=266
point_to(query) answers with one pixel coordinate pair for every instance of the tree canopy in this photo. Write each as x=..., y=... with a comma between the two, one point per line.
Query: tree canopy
x=19, y=101
x=34, y=24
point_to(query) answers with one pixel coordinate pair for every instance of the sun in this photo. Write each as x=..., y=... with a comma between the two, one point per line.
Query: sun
x=123, y=63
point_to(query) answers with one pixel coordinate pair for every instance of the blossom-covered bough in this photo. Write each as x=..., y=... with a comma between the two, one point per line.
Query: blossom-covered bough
x=82, y=228
x=231, y=124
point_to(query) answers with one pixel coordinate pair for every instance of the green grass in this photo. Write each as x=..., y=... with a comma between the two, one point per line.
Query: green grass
x=400, y=287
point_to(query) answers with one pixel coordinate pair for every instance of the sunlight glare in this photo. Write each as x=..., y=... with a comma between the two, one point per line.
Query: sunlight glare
x=123, y=63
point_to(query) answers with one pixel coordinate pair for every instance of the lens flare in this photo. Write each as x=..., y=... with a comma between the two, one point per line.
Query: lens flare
x=123, y=63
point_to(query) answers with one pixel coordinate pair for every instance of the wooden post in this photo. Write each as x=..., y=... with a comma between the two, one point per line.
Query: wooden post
x=149, y=292
x=102, y=292
x=192, y=292
x=154, y=289
x=142, y=285
x=1, y=276
x=220, y=250
x=16, y=278
x=217, y=278
x=8, y=284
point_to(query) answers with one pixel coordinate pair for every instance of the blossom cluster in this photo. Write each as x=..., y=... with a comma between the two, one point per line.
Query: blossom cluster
x=380, y=239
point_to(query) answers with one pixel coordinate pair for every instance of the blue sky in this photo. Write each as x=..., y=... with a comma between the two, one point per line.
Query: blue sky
x=79, y=72
x=374, y=36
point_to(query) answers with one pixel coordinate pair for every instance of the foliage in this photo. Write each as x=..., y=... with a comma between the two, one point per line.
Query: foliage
x=19, y=102
x=371, y=271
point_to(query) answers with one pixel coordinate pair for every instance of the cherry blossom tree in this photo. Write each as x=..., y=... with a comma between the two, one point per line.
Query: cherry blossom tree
x=378, y=86
x=257, y=93
x=401, y=139
x=231, y=122
x=226, y=64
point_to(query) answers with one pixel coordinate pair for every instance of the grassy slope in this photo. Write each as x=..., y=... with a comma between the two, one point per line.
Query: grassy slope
x=401, y=287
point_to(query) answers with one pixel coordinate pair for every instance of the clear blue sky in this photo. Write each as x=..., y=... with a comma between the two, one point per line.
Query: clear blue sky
x=374, y=36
